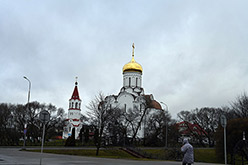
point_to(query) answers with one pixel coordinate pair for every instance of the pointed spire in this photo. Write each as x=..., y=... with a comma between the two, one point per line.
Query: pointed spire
x=75, y=94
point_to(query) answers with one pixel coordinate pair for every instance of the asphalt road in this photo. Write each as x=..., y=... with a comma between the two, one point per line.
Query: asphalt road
x=11, y=156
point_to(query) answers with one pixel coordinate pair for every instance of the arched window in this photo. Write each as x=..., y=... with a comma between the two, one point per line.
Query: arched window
x=129, y=81
x=76, y=105
x=72, y=105
x=79, y=105
x=136, y=81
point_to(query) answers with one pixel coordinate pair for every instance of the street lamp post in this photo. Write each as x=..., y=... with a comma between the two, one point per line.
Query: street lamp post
x=166, y=124
x=25, y=124
x=223, y=122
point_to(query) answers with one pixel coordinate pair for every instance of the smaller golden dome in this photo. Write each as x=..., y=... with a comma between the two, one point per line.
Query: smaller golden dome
x=132, y=65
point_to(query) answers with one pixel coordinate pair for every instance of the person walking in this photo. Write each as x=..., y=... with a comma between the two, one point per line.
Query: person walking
x=188, y=151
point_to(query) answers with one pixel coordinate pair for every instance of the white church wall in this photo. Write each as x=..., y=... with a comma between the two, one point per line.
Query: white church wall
x=74, y=114
x=125, y=101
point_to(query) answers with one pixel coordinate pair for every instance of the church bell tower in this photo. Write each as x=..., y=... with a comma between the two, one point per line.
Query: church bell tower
x=74, y=114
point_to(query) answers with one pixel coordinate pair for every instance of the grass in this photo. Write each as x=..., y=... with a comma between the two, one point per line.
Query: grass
x=162, y=154
x=206, y=155
x=106, y=153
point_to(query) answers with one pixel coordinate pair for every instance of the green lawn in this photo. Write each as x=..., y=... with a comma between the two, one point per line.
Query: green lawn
x=207, y=155
x=107, y=153
x=201, y=155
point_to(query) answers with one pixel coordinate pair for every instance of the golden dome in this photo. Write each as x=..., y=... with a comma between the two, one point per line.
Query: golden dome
x=132, y=65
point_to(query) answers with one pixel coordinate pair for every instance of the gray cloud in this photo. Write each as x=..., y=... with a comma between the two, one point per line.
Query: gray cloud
x=193, y=53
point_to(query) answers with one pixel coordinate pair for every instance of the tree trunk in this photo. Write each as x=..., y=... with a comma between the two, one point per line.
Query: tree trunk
x=97, y=150
x=99, y=141
x=139, y=124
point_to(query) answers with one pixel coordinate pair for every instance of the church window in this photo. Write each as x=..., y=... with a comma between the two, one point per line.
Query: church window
x=72, y=105
x=79, y=105
x=76, y=105
x=129, y=81
x=136, y=82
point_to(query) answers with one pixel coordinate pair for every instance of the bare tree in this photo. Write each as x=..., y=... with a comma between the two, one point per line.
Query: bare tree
x=240, y=106
x=205, y=120
x=100, y=115
x=185, y=116
x=30, y=116
x=208, y=120
x=135, y=117
x=155, y=128
x=9, y=134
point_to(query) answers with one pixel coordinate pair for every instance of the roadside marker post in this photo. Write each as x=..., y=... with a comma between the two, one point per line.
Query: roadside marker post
x=44, y=117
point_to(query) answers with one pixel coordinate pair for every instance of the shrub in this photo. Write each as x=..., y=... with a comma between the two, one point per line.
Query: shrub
x=234, y=133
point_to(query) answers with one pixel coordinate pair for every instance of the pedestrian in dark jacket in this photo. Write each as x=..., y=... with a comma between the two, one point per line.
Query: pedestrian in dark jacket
x=188, y=151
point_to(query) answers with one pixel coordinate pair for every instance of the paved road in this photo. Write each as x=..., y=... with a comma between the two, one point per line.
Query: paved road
x=11, y=156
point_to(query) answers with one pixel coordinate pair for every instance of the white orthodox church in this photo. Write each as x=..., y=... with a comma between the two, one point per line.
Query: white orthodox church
x=132, y=94
x=74, y=115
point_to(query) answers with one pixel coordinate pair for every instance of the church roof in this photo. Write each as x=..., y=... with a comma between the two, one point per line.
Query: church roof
x=156, y=105
x=75, y=94
x=152, y=103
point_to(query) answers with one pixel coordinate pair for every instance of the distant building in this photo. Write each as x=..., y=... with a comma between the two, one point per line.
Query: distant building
x=132, y=95
x=189, y=131
x=74, y=115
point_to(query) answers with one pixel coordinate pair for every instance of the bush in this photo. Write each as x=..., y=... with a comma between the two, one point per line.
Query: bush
x=234, y=133
x=70, y=141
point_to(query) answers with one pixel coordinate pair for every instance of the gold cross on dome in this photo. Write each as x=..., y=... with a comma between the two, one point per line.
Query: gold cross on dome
x=133, y=50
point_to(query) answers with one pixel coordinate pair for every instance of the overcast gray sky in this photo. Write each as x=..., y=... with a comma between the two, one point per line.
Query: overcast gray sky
x=193, y=53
